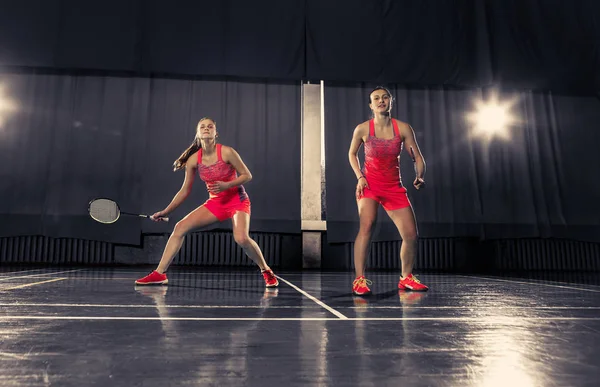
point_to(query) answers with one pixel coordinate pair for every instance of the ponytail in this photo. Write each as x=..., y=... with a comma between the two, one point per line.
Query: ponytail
x=182, y=160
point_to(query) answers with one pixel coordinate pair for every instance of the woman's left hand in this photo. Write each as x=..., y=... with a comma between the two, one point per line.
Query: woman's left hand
x=419, y=182
x=217, y=186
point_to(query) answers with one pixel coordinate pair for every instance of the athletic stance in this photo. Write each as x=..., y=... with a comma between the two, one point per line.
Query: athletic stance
x=224, y=172
x=379, y=182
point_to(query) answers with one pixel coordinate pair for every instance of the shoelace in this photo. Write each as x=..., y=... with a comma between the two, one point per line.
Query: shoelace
x=361, y=281
x=414, y=278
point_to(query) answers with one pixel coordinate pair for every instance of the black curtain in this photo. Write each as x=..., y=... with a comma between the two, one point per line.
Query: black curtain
x=226, y=38
x=545, y=44
x=550, y=44
x=412, y=42
x=538, y=182
x=69, y=139
x=518, y=43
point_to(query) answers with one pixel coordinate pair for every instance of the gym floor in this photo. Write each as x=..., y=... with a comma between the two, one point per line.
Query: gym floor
x=91, y=326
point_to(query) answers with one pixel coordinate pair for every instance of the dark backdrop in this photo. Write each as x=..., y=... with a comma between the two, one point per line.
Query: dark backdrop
x=538, y=182
x=108, y=93
x=73, y=138
x=519, y=43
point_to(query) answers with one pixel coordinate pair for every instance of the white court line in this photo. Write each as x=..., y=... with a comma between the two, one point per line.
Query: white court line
x=13, y=356
x=335, y=312
x=132, y=278
x=532, y=283
x=40, y=275
x=481, y=307
x=488, y=320
x=154, y=306
x=32, y=284
x=542, y=281
x=143, y=306
x=20, y=271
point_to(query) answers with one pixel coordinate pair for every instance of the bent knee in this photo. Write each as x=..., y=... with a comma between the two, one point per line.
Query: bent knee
x=242, y=239
x=181, y=229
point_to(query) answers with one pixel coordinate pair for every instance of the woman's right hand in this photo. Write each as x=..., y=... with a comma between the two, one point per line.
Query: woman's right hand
x=157, y=216
x=360, y=185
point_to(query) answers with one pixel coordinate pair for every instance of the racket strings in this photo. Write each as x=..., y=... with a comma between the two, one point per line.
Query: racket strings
x=103, y=210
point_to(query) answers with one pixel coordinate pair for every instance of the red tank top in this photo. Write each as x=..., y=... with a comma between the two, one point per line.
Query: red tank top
x=382, y=157
x=220, y=171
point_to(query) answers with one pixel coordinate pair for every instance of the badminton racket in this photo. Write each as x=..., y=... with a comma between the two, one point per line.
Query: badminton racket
x=107, y=211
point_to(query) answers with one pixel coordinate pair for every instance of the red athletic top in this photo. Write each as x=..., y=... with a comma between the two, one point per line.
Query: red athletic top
x=220, y=171
x=382, y=157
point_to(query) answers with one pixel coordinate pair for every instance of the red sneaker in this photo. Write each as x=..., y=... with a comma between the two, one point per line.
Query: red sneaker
x=154, y=278
x=360, y=286
x=270, y=279
x=410, y=282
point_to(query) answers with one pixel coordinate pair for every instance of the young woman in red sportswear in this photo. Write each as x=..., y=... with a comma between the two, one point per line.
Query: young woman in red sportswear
x=224, y=172
x=379, y=182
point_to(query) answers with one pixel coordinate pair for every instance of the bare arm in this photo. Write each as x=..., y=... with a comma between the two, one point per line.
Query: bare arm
x=410, y=142
x=232, y=157
x=186, y=187
x=357, y=140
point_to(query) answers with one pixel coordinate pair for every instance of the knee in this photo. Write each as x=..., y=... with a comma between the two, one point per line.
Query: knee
x=410, y=236
x=180, y=229
x=366, y=226
x=241, y=239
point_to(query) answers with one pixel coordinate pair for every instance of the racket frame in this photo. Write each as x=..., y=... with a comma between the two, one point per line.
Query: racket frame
x=119, y=212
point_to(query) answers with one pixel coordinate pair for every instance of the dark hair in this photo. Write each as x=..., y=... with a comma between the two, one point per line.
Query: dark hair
x=381, y=88
x=193, y=148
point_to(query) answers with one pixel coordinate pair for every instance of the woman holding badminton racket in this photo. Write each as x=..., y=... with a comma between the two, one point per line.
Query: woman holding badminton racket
x=224, y=173
x=379, y=182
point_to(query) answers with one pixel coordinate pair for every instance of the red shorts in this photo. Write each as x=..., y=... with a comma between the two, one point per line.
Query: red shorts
x=391, y=197
x=225, y=208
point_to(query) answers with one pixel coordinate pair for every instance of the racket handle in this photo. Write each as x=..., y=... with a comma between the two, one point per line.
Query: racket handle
x=162, y=219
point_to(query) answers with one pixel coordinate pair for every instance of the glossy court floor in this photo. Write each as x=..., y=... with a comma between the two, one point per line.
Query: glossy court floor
x=92, y=327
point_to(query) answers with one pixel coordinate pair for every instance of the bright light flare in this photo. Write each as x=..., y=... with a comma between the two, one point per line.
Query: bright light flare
x=7, y=106
x=492, y=119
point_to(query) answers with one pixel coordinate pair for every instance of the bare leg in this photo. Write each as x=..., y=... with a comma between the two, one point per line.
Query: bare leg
x=198, y=218
x=367, y=212
x=404, y=219
x=241, y=228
